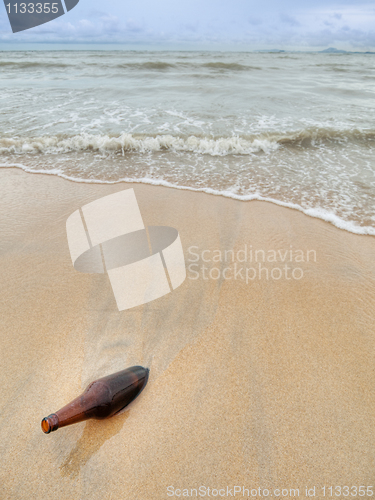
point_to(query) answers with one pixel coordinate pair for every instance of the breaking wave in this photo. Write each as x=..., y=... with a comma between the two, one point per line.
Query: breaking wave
x=142, y=144
x=221, y=146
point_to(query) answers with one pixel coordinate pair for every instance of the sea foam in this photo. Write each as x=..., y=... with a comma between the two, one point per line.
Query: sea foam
x=142, y=144
x=219, y=146
x=318, y=212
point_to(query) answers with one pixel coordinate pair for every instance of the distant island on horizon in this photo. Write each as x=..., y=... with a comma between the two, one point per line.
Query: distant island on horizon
x=330, y=50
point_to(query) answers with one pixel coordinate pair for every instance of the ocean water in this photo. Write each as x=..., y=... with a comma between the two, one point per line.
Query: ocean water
x=296, y=129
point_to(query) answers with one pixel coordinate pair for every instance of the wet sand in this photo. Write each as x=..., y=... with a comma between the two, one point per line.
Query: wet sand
x=266, y=384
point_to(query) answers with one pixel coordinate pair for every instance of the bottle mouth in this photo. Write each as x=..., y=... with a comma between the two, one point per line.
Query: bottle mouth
x=50, y=423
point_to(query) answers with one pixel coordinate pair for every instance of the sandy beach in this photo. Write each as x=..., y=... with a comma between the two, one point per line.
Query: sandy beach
x=267, y=384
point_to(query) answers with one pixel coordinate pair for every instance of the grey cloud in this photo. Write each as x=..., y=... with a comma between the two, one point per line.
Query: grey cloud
x=358, y=38
x=289, y=20
x=132, y=25
x=190, y=27
x=254, y=21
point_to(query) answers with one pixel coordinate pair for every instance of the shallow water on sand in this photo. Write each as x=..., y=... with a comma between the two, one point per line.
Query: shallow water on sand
x=297, y=129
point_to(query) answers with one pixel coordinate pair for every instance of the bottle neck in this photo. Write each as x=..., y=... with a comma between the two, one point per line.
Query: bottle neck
x=80, y=409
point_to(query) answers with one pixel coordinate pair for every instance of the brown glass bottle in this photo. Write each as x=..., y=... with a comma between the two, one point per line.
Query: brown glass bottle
x=102, y=398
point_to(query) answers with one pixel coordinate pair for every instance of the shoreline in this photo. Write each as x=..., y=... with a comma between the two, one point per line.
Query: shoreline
x=316, y=213
x=265, y=383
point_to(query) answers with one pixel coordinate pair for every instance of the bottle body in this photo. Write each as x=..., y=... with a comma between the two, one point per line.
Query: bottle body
x=101, y=399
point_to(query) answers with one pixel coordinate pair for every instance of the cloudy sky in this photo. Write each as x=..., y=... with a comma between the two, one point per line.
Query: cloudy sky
x=216, y=24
